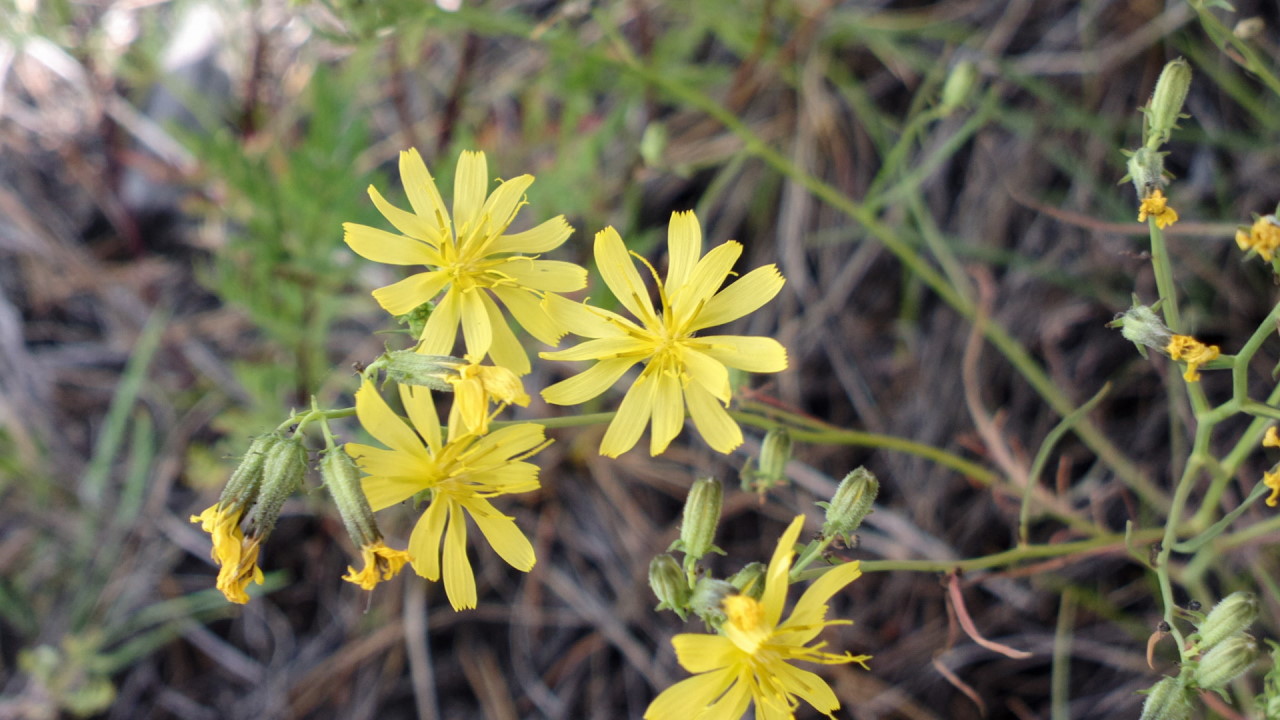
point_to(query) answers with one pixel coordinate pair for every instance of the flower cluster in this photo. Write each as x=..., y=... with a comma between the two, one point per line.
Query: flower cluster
x=1193, y=352
x=1156, y=207
x=1263, y=237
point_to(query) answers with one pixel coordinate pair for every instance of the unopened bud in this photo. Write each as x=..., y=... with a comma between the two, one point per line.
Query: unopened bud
x=342, y=478
x=750, y=580
x=1166, y=102
x=850, y=505
x=417, y=318
x=1141, y=326
x=1231, y=616
x=282, y=475
x=670, y=584
x=959, y=86
x=1146, y=170
x=1227, y=661
x=407, y=367
x=771, y=470
x=1167, y=700
x=708, y=598
x=701, y=516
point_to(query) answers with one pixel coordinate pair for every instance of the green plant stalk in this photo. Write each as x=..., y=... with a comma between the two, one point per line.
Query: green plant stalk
x=1169, y=538
x=1042, y=457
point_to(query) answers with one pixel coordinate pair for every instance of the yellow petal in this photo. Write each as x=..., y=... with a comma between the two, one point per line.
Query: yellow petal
x=707, y=277
x=421, y=408
x=589, y=383
x=585, y=320
x=421, y=189
x=383, y=492
x=811, y=688
x=633, y=414
x=811, y=610
x=543, y=238
x=699, y=653
x=683, y=700
x=607, y=348
x=713, y=422
x=745, y=352
x=508, y=478
x=441, y=331
x=501, y=207
x=527, y=309
x=668, y=412
x=476, y=328
x=403, y=296
x=503, y=535
x=386, y=426
x=503, y=443
x=684, y=247
x=459, y=581
x=711, y=374
x=469, y=185
x=506, y=350
x=619, y=273
x=411, y=224
x=546, y=275
x=736, y=700
x=743, y=297
x=384, y=247
x=775, y=579
x=424, y=542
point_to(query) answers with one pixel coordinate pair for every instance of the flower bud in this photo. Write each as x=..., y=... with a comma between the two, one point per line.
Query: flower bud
x=1231, y=616
x=342, y=478
x=670, y=584
x=771, y=470
x=1167, y=700
x=407, y=367
x=959, y=86
x=701, y=516
x=1146, y=170
x=242, y=489
x=1141, y=326
x=708, y=599
x=1166, y=102
x=417, y=318
x=1227, y=661
x=850, y=505
x=282, y=475
x=750, y=580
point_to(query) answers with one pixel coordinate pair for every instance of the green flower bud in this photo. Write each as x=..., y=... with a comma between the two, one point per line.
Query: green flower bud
x=282, y=475
x=1231, y=616
x=1166, y=102
x=407, y=367
x=242, y=489
x=417, y=318
x=959, y=86
x=1167, y=700
x=850, y=505
x=771, y=470
x=750, y=580
x=1141, y=326
x=1146, y=170
x=1227, y=661
x=701, y=516
x=342, y=478
x=707, y=599
x=670, y=584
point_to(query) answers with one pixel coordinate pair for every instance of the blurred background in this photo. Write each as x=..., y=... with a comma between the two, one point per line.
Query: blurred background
x=173, y=179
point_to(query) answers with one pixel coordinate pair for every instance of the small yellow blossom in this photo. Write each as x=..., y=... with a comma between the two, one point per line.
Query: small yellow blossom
x=1271, y=438
x=1193, y=352
x=380, y=563
x=751, y=660
x=1263, y=237
x=1156, y=206
x=681, y=367
x=237, y=557
x=1272, y=480
x=461, y=474
x=474, y=261
x=474, y=387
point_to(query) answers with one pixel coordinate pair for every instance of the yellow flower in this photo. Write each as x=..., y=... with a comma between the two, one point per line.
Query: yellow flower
x=1272, y=480
x=1156, y=206
x=1271, y=438
x=1193, y=352
x=1263, y=237
x=460, y=475
x=751, y=660
x=474, y=261
x=474, y=387
x=380, y=563
x=681, y=367
x=237, y=558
